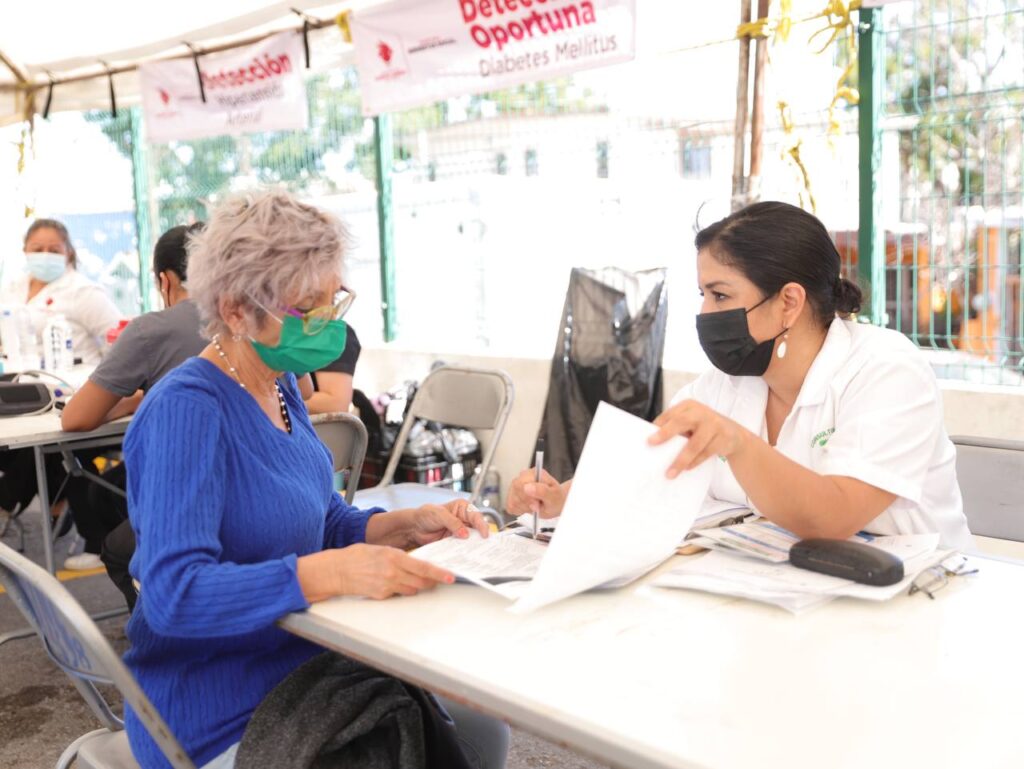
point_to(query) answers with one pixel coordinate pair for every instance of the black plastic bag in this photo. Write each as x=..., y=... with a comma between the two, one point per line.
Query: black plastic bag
x=609, y=348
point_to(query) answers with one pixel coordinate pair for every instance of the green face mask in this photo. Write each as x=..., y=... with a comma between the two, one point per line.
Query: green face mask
x=300, y=353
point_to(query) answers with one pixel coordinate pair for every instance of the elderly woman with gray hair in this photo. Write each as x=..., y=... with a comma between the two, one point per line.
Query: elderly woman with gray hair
x=230, y=491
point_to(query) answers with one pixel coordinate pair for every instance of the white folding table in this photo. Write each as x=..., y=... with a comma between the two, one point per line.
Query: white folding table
x=43, y=434
x=649, y=678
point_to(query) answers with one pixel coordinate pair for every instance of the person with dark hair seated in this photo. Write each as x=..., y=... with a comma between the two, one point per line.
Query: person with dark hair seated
x=149, y=347
x=823, y=425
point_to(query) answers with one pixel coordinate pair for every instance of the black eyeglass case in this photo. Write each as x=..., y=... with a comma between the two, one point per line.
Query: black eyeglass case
x=848, y=560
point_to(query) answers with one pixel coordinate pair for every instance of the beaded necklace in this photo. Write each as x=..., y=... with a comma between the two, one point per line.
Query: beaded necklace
x=234, y=373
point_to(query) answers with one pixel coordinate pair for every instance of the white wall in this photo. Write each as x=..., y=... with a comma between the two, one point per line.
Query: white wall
x=970, y=409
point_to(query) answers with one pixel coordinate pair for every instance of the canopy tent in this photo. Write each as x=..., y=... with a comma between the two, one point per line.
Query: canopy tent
x=75, y=44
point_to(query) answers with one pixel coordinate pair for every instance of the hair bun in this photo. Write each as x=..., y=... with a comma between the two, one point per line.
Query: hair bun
x=848, y=297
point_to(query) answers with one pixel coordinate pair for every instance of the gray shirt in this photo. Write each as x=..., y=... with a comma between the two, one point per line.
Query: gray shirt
x=149, y=347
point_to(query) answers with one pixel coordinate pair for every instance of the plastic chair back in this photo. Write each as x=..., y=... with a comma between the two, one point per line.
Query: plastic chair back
x=78, y=647
x=345, y=436
x=991, y=476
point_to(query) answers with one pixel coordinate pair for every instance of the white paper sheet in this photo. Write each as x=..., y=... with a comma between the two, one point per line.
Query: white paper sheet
x=622, y=514
x=499, y=557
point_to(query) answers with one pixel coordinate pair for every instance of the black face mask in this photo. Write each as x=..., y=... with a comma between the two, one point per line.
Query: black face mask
x=726, y=340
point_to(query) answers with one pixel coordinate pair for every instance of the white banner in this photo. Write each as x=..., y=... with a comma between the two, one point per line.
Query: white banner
x=421, y=51
x=256, y=88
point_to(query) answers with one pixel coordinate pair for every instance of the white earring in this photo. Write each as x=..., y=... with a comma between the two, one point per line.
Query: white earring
x=782, y=347
x=236, y=337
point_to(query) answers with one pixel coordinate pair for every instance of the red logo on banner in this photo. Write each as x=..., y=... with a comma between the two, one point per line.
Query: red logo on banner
x=385, y=52
x=164, y=96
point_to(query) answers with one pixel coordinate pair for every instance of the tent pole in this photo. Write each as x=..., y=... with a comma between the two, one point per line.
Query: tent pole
x=20, y=76
x=33, y=86
x=739, y=176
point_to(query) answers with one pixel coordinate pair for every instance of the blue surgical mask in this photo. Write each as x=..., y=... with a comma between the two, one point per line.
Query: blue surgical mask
x=45, y=266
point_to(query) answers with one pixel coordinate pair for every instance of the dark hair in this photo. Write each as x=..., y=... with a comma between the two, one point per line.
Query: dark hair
x=773, y=244
x=60, y=229
x=170, y=254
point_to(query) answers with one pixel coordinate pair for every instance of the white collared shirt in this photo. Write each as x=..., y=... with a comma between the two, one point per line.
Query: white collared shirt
x=83, y=303
x=869, y=409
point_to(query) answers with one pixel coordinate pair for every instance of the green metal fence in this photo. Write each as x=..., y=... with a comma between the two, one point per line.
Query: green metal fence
x=954, y=113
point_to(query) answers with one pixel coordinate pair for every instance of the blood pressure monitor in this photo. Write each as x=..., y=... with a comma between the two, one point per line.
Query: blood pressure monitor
x=20, y=398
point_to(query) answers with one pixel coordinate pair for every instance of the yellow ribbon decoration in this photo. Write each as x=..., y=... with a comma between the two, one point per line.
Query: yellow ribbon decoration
x=785, y=23
x=792, y=152
x=754, y=29
x=767, y=27
x=841, y=11
x=24, y=149
x=343, y=24
x=782, y=26
x=842, y=22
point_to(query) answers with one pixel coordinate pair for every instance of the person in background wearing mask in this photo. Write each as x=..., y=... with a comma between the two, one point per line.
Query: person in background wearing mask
x=149, y=347
x=52, y=286
x=823, y=425
x=230, y=491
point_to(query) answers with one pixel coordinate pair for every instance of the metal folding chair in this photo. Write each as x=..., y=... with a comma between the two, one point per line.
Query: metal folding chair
x=74, y=642
x=12, y=520
x=991, y=477
x=345, y=436
x=474, y=398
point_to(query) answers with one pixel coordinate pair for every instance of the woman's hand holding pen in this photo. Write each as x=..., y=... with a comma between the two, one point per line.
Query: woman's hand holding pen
x=545, y=497
x=708, y=433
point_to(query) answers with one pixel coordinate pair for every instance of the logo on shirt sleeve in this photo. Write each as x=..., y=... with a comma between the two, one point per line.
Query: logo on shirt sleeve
x=821, y=438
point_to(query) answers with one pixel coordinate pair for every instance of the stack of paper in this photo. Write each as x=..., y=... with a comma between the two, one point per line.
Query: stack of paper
x=760, y=539
x=796, y=589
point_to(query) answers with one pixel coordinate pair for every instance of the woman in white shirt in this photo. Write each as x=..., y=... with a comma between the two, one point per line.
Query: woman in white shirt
x=53, y=286
x=821, y=424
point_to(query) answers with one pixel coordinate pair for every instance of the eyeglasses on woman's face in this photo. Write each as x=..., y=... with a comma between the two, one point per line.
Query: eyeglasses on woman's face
x=315, y=320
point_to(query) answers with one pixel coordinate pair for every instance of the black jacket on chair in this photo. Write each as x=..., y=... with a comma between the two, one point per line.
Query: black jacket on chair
x=335, y=713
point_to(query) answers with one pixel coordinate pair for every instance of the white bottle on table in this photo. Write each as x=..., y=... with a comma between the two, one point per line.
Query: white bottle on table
x=58, y=354
x=10, y=338
x=31, y=355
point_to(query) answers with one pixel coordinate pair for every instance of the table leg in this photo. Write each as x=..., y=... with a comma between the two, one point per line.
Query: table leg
x=44, y=503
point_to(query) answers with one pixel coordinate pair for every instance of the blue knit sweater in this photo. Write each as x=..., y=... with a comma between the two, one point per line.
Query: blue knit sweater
x=222, y=504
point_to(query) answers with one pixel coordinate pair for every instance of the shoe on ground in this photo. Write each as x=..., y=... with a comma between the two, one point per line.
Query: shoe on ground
x=83, y=562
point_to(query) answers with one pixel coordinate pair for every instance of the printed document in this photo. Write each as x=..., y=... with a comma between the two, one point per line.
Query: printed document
x=622, y=514
x=489, y=562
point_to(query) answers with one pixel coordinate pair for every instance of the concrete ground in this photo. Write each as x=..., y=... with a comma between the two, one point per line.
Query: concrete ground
x=41, y=713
